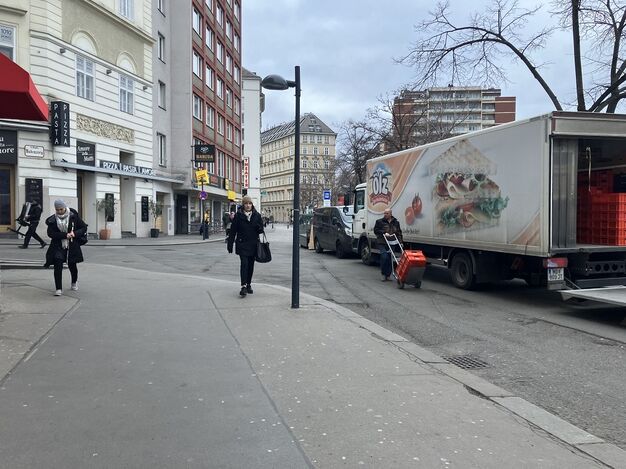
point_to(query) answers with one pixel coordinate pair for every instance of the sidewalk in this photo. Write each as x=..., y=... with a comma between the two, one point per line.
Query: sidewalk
x=142, y=369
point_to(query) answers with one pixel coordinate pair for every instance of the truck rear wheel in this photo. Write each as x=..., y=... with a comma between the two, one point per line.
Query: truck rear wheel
x=365, y=253
x=462, y=272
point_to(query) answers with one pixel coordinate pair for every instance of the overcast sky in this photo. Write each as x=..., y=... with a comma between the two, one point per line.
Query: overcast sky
x=346, y=51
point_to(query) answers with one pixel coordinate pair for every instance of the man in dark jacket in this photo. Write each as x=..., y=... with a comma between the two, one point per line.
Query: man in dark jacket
x=244, y=231
x=33, y=217
x=386, y=227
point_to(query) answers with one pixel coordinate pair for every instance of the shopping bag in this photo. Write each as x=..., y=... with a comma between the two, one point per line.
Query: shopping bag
x=263, y=253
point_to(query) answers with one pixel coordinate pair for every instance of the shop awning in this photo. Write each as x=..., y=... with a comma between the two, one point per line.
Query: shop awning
x=19, y=98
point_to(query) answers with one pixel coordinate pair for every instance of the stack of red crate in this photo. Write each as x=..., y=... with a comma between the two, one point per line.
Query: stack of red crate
x=409, y=260
x=601, y=213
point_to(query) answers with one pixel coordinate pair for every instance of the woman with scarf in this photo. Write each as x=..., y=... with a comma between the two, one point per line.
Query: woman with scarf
x=246, y=226
x=65, y=227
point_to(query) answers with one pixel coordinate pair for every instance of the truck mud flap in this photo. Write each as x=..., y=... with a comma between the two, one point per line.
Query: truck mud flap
x=611, y=295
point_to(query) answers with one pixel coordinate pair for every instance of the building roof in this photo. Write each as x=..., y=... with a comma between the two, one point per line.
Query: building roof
x=245, y=73
x=309, y=123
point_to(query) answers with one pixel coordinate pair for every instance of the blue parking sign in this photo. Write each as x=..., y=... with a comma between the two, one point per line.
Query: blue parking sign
x=326, y=195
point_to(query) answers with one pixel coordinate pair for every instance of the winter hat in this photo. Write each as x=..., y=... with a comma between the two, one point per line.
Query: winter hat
x=246, y=198
x=59, y=203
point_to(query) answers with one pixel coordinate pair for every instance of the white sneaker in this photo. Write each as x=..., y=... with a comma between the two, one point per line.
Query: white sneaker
x=58, y=293
x=74, y=286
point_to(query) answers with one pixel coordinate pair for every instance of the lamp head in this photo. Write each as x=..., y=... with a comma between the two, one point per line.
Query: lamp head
x=276, y=82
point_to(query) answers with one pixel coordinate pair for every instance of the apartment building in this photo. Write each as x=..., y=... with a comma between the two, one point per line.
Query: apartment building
x=198, y=76
x=92, y=63
x=317, y=158
x=451, y=109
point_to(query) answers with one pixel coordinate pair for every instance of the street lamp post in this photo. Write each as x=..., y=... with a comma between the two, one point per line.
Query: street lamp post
x=276, y=82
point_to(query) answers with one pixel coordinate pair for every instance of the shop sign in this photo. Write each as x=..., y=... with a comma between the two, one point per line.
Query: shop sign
x=34, y=190
x=85, y=153
x=246, y=172
x=204, y=153
x=8, y=146
x=34, y=151
x=127, y=168
x=145, y=206
x=202, y=176
x=60, y=125
x=214, y=180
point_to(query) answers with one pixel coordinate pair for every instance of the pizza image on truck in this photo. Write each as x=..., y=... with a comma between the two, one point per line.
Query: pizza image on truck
x=465, y=196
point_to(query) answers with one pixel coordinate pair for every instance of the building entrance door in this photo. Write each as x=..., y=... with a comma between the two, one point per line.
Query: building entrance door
x=6, y=197
x=182, y=214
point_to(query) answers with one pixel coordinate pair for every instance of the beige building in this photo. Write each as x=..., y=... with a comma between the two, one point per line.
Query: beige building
x=95, y=58
x=317, y=163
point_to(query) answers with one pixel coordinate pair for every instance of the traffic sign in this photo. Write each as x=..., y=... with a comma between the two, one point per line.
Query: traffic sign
x=203, y=195
x=326, y=195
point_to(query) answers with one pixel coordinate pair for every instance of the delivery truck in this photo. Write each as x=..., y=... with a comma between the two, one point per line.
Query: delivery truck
x=541, y=199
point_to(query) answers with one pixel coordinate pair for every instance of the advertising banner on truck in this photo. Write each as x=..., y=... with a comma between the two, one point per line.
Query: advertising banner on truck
x=485, y=188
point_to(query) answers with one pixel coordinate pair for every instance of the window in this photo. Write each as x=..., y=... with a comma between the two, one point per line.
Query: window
x=208, y=78
x=237, y=10
x=161, y=47
x=315, y=164
x=326, y=140
x=326, y=151
x=314, y=180
x=229, y=97
x=220, y=125
x=127, y=93
x=162, y=148
x=315, y=150
x=237, y=42
x=237, y=106
x=162, y=96
x=219, y=14
x=197, y=107
x=197, y=22
x=229, y=64
x=209, y=4
x=126, y=8
x=229, y=30
x=326, y=164
x=229, y=167
x=319, y=139
x=208, y=38
x=161, y=6
x=220, y=87
x=7, y=41
x=84, y=78
x=237, y=137
x=197, y=64
x=237, y=74
x=210, y=117
x=304, y=152
x=229, y=132
x=304, y=164
x=220, y=164
x=305, y=139
x=220, y=51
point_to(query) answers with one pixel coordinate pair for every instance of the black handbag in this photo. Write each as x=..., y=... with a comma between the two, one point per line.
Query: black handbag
x=263, y=253
x=83, y=239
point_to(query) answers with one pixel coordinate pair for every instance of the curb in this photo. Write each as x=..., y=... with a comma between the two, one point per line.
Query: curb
x=591, y=445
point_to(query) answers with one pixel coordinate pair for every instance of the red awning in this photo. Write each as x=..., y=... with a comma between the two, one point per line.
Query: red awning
x=19, y=98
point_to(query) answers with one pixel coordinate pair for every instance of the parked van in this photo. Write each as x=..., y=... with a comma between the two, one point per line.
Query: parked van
x=332, y=230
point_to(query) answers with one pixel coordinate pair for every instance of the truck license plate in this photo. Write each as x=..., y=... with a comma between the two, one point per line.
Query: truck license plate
x=555, y=275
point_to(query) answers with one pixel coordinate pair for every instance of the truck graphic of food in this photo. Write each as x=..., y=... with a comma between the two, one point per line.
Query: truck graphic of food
x=465, y=196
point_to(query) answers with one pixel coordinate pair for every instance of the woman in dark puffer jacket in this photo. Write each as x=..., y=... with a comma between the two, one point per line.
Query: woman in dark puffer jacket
x=244, y=232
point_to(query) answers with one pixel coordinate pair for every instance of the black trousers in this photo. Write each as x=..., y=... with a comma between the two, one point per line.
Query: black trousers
x=32, y=233
x=58, y=273
x=246, y=269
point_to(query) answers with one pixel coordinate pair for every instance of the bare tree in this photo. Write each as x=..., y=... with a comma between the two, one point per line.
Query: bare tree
x=356, y=145
x=472, y=52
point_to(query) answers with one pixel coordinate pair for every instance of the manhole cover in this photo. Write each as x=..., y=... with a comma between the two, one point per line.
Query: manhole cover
x=467, y=362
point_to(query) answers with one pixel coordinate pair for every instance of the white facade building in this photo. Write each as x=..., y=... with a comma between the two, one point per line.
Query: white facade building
x=95, y=57
x=252, y=102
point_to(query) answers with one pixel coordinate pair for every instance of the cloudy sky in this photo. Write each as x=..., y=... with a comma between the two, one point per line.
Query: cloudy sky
x=346, y=51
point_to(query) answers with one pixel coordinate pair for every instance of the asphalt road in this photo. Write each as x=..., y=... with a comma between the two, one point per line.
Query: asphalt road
x=567, y=359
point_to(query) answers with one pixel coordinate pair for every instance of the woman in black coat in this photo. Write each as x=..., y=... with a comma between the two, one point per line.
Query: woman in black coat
x=245, y=229
x=65, y=228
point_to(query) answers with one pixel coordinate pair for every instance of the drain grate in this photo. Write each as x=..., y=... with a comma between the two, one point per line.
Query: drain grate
x=467, y=362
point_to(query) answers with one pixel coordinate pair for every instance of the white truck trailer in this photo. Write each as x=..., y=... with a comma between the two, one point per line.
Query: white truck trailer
x=511, y=201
